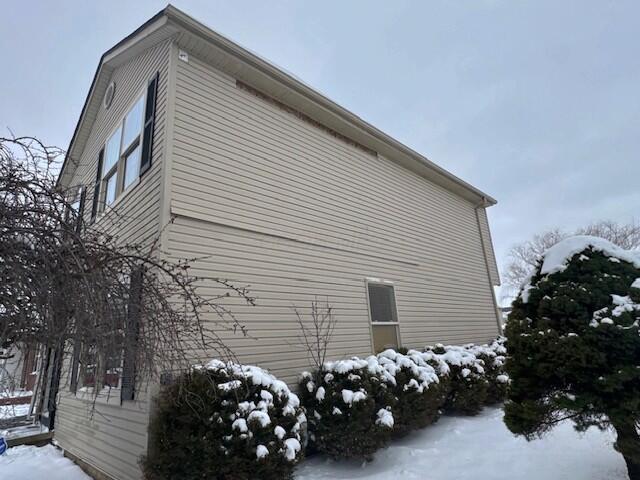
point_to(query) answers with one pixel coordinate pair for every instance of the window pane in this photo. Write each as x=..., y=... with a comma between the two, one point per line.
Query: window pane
x=88, y=366
x=74, y=198
x=382, y=303
x=113, y=364
x=111, y=189
x=384, y=336
x=132, y=167
x=112, y=151
x=132, y=124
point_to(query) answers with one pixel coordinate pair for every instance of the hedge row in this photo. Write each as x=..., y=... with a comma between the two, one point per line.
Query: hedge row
x=355, y=406
x=230, y=421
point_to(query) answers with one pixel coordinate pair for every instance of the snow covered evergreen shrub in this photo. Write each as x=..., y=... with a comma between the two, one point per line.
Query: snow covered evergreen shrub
x=348, y=408
x=468, y=384
x=417, y=389
x=574, y=344
x=225, y=421
x=493, y=357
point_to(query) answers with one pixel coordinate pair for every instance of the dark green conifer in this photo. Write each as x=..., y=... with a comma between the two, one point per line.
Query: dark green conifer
x=574, y=346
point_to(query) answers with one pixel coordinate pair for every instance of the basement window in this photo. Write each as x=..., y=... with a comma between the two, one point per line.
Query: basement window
x=383, y=314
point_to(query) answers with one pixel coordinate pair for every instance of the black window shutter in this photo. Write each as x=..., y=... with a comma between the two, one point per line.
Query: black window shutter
x=80, y=213
x=96, y=188
x=149, y=122
x=131, y=336
x=75, y=363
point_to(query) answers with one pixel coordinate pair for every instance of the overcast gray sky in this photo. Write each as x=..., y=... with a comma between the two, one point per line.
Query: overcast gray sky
x=537, y=103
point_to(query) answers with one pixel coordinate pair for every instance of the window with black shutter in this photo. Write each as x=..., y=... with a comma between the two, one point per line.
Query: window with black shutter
x=127, y=153
x=383, y=315
x=149, y=122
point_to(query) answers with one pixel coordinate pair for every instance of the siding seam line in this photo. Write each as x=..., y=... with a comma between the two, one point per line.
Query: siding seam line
x=285, y=237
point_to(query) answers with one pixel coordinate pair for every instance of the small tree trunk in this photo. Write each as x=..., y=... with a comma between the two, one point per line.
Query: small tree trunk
x=628, y=444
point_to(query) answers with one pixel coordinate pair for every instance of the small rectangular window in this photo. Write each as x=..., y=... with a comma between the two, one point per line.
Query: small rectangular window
x=382, y=302
x=383, y=315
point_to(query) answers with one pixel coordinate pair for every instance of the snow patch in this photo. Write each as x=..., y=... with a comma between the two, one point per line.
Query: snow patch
x=39, y=462
x=350, y=397
x=261, y=451
x=292, y=447
x=261, y=417
x=385, y=418
x=240, y=424
x=428, y=454
x=557, y=257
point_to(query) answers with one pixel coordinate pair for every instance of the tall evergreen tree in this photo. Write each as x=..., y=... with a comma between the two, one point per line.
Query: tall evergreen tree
x=574, y=345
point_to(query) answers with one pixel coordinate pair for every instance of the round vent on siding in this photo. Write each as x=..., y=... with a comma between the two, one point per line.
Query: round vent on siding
x=108, y=95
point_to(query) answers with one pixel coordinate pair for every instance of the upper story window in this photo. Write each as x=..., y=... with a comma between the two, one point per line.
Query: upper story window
x=127, y=152
x=121, y=167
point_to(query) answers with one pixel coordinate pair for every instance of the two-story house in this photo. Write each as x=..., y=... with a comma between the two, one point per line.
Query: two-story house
x=272, y=185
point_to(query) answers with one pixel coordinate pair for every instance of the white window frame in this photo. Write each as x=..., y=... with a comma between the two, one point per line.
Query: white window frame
x=118, y=169
x=378, y=281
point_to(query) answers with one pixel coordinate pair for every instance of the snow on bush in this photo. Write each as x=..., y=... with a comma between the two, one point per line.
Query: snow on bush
x=574, y=344
x=418, y=392
x=223, y=421
x=468, y=383
x=493, y=357
x=557, y=258
x=349, y=407
x=353, y=405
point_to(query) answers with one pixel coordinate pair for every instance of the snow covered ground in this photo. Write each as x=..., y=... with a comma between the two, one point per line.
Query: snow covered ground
x=456, y=448
x=9, y=411
x=25, y=463
x=461, y=448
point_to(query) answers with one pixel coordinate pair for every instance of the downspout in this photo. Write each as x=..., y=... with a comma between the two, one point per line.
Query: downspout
x=483, y=204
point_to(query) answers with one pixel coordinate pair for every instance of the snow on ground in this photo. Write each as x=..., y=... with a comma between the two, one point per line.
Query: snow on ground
x=456, y=448
x=472, y=448
x=10, y=411
x=15, y=393
x=25, y=463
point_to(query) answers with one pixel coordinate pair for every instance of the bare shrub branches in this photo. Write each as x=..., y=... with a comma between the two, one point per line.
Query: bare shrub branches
x=79, y=289
x=317, y=334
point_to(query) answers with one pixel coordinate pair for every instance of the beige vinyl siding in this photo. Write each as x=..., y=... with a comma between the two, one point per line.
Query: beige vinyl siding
x=274, y=202
x=113, y=437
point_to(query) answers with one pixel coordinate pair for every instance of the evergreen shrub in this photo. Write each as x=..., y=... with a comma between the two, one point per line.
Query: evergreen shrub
x=225, y=421
x=349, y=408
